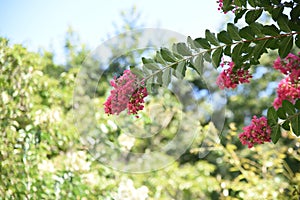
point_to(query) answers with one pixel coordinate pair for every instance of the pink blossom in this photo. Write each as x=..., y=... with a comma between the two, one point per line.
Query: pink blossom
x=127, y=93
x=229, y=78
x=287, y=90
x=288, y=64
x=257, y=132
x=289, y=87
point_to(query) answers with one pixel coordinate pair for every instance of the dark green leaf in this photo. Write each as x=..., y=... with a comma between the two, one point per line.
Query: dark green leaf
x=295, y=123
x=271, y=30
x=285, y=46
x=276, y=2
x=216, y=57
x=257, y=29
x=297, y=41
x=211, y=38
x=253, y=15
x=247, y=33
x=281, y=113
x=224, y=37
x=275, y=133
x=227, y=50
x=166, y=77
x=252, y=3
x=239, y=14
x=273, y=43
x=202, y=43
x=288, y=107
x=297, y=104
x=167, y=55
x=276, y=12
x=233, y=31
x=295, y=13
x=259, y=49
x=286, y=125
x=183, y=49
x=237, y=52
x=272, y=117
x=264, y=3
x=283, y=23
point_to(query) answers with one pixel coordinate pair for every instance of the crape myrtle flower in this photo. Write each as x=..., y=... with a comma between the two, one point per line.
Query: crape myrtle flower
x=128, y=93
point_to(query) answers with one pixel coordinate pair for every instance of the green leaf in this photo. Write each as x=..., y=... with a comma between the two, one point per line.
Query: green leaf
x=272, y=117
x=281, y=113
x=271, y=30
x=286, y=125
x=239, y=14
x=198, y=64
x=183, y=49
x=180, y=70
x=150, y=64
x=224, y=37
x=216, y=57
x=285, y=46
x=252, y=3
x=297, y=104
x=257, y=29
x=295, y=123
x=237, y=52
x=192, y=44
x=288, y=107
x=247, y=33
x=276, y=2
x=227, y=50
x=233, y=31
x=166, y=77
x=207, y=56
x=259, y=49
x=295, y=13
x=158, y=58
x=159, y=78
x=283, y=23
x=276, y=12
x=253, y=15
x=297, y=41
x=275, y=133
x=211, y=38
x=167, y=55
x=137, y=71
x=202, y=43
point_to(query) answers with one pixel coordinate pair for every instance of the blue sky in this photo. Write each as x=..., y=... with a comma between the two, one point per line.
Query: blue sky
x=43, y=24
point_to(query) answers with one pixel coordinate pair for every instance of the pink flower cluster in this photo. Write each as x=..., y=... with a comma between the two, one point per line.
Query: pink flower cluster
x=127, y=93
x=257, y=132
x=220, y=2
x=229, y=78
x=220, y=8
x=289, y=87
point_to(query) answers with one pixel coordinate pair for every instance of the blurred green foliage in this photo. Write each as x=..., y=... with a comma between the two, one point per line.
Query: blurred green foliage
x=41, y=156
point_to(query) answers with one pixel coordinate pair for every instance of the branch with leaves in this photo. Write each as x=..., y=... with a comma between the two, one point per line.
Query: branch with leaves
x=244, y=44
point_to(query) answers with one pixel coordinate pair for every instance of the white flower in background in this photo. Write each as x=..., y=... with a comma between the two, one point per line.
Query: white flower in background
x=126, y=142
x=91, y=178
x=127, y=191
x=51, y=116
x=46, y=166
x=76, y=161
